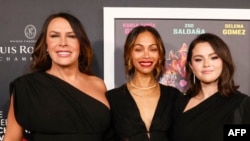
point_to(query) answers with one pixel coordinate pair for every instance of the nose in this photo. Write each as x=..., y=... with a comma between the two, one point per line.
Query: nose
x=206, y=63
x=146, y=54
x=63, y=42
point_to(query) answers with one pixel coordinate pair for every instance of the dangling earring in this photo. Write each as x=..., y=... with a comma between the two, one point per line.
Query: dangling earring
x=194, y=78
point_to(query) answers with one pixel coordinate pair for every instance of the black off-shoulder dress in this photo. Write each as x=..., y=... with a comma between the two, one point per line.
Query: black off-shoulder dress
x=205, y=122
x=52, y=110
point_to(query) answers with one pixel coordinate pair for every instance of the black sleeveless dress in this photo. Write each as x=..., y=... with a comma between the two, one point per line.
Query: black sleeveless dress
x=51, y=109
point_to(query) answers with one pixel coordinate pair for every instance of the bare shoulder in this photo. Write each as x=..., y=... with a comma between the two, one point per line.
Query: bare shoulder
x=96, y=88
x=97, y=83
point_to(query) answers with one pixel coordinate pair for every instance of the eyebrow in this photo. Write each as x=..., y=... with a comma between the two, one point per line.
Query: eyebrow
x=143, y=45
x=59, y=32
x=208, y=54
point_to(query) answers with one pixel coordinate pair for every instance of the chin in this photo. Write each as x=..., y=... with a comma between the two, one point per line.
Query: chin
x=211, y=81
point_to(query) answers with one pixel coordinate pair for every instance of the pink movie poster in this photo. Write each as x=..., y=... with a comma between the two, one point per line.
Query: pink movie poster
x=177, y=33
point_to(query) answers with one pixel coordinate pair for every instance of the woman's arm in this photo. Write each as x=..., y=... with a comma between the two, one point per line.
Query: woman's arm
x=14, y=132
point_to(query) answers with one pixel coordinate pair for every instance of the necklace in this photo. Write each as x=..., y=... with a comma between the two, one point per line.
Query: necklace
x=142, y=88
x=144, y=95
x=138, y=94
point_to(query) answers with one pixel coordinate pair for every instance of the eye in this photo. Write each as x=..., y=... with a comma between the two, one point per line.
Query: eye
x=54, y=35
x=154, y=49
x=72, y=36
x=138, y=49
x=197, y=59
x=215, y=57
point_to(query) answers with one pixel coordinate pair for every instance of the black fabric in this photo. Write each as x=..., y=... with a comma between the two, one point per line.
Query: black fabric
x=54, y=110
x=128, y=124
x=205, y=121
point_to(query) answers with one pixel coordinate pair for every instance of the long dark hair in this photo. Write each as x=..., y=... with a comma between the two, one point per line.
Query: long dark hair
x=226, y=83
x=42, y=61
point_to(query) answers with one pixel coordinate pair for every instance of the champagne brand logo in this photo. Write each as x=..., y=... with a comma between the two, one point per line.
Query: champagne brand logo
x=30, y=31
x=19, y=49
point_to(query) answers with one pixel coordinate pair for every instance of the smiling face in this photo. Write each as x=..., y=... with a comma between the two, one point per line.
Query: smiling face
x=206, y=64
x=62, y=44
x=145, y=53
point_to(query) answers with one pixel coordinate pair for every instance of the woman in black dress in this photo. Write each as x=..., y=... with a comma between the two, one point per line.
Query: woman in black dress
x=61, y=100
x=142, y=108
x=212, y=99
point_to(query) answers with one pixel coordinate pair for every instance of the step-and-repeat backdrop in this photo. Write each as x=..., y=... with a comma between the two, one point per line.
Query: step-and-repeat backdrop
x=16, y=47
